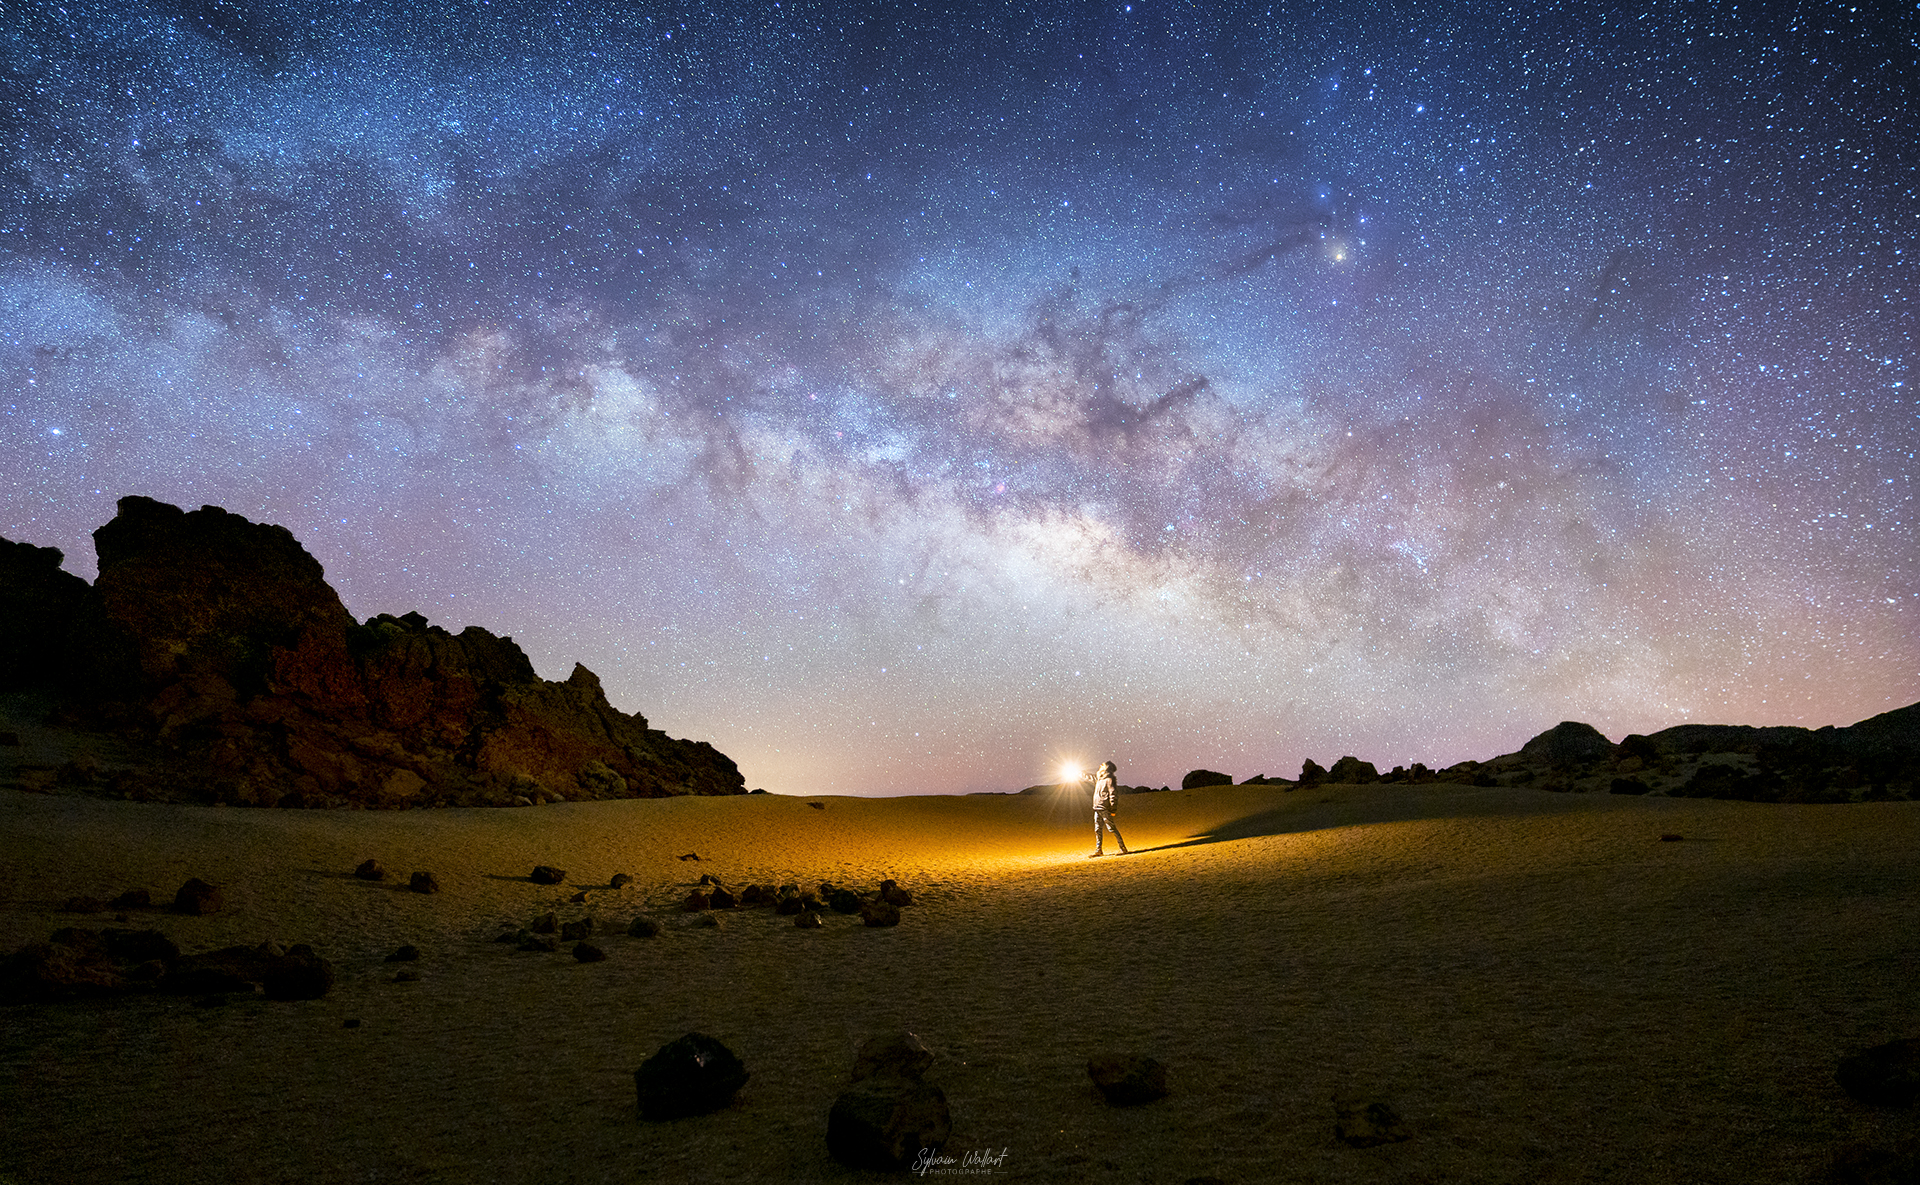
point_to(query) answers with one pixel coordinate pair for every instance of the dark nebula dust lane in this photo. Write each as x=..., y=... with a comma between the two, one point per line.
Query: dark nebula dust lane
x=905, y=399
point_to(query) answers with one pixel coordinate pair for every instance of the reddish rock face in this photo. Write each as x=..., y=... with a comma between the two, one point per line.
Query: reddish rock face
x=217, y=644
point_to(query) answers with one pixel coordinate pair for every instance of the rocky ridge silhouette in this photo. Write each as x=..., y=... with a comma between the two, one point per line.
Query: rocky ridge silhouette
x=215, y=663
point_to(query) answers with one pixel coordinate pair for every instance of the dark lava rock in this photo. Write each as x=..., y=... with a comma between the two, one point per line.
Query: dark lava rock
x=893, y=894
x=1361, y=1123
x=405, y=954
x=888, y=1122
x=690, y=856
x=581, y=898
x=39, y=602
x=58, y=970
x=697, y=901
x=1204, y=777
x=1568, y=743
x=352, y=1022
x=644, y=928
x=807, y=919
x=1127, y=1079
x=689, y=1075
x=707, y=878
x=133, y=899
x=790, y=904
x=1670, y=837
x=619, y=880
x=754, y=895
x=298, y=975
x=880, y=913
x=587, y=952
x=197, y=897
x=722, y=899
x=844, y=901
x=407, y=976
x=901, y=1054
x=546, y=923
x=1352, y=770
x=1312, y=773
x=575, y=931
x=138, y=946
x=423, y=882
x=1885, y=1076
x=547, y=874
x=83, y=905
x=370, y=870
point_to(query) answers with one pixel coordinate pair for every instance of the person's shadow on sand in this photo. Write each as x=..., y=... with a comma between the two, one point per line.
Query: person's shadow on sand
x=1273, y=822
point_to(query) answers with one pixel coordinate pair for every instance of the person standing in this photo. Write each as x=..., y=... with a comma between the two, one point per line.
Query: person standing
x=1106, y=791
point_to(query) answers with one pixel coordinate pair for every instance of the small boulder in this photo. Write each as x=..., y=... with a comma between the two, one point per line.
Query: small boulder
x=133, y=899
x=619, y=880
x=707, y=878
x=197, y=898
x=1127, y=1079
x=818, y=806
x=706, y=921
x=1351, y=770
x=404, y=954
x=1312, y=773
x=697, y=901
x=139, y=946
x=576, y=931
x=1204, y=777
x=722, y=899
x=690, y=1075
x=888, y=1122
x=807, y=919
x=1885, y=1076
x=546, y=923
x=644, y=928
x=1365, y=1123
x=423, y=882
x=587, y=952
x=298, y=975
x=901, y=1054
x=790, y=904
x=893, y=894
x=690, y=856
x=880, y=913
x=844, y=901
x=580, y=898
x=754, y=895
x=547, y=874
x=370, y=870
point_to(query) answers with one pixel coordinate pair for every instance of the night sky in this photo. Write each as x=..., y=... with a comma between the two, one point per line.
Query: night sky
x=905, y=398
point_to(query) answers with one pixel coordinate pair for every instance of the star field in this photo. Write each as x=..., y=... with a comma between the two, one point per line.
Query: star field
x=904, y=398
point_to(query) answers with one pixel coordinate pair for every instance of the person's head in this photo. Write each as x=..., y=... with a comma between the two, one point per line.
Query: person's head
x=1108, y=767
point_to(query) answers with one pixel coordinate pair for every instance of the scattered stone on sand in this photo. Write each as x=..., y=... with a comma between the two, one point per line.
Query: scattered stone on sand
x=644, y=928
x=790, y=904
x=754, y=895
x=83, y=905
x=818, y=806
x=1127, y=1079
x=423, y=882
x=575, y=931
x=547, y=874
x=197, y=898
x=133, y=899
x=1670, y=837
x=721, y=899
x=546, y=923
x=580, y=898
x=844, y=901
x=541, y=943
x=298, y=975
x=405, y=954
x=893, y=894
x=352, y=1022
x=370, y=870
x=697, y=901
x=587, y=952
x=880, y=913
x=807, y=919
x=1367, y=1123
x=901, y=1054
x=690, y=1075
x=888, y=1122
x=690, y=856
x=707, y=921
x=1884, y=1076
x=619, y=880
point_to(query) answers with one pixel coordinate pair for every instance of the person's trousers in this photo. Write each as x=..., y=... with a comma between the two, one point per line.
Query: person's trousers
x=1103, y=823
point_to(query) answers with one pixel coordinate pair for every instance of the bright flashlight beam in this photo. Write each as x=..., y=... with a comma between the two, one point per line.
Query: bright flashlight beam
x=1069, y=772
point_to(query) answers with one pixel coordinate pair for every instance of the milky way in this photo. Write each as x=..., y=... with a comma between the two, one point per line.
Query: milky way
x=906, y=399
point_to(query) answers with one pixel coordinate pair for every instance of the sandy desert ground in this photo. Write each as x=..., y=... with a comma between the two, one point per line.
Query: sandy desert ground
x=1544, y=989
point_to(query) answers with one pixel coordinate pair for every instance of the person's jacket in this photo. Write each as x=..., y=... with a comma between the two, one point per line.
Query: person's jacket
x=1104, y=792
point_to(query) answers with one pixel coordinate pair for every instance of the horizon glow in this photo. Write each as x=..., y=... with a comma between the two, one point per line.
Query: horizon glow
x=900, y=401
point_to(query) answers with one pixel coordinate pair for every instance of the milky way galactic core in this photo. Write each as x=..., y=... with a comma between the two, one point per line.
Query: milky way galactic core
x=916, y=399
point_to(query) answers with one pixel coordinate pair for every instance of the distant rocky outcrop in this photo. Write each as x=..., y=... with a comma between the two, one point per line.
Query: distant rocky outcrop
x=215, y=647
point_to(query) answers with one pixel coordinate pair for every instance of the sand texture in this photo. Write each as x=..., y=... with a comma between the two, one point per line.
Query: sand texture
x=1543, y=989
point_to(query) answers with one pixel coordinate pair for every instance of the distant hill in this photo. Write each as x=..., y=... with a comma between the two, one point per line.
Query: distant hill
x=212, y=662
